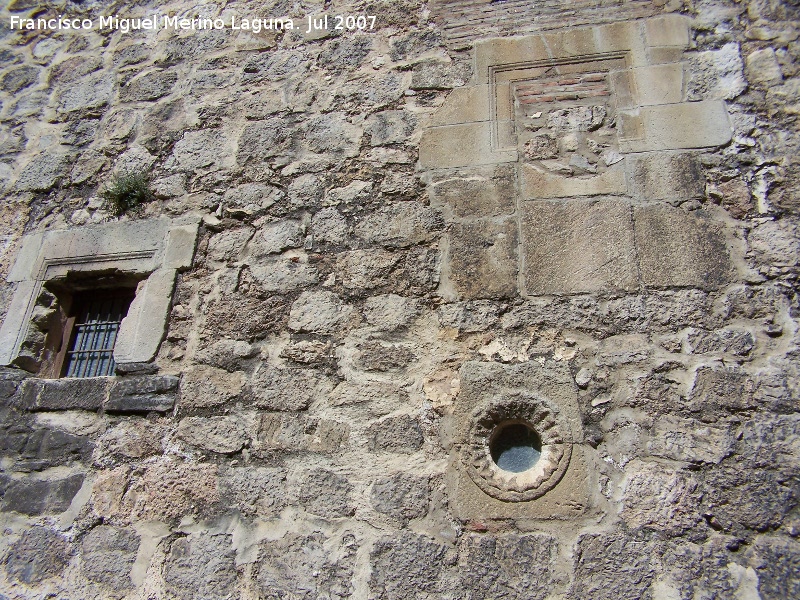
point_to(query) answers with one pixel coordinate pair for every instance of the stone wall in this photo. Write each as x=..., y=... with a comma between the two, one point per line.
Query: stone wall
x=583, y=215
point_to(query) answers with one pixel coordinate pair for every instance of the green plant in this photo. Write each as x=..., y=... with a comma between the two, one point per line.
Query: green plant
x=127, y=191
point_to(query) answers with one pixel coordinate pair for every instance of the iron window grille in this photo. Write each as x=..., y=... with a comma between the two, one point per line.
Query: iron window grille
x=93, y=332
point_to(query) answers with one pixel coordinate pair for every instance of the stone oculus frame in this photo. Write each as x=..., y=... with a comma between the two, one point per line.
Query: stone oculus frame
x=154, y=250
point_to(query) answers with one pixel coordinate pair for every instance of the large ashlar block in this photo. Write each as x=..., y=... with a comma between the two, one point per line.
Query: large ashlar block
x=679, y=249
x=668, y=30
x=659, y=84
x=578, y=246
x=677, y=126
x=666, y=176
x=539, y=183
x=476, y=192
x=483, y=259
x=452, y=146
x=463, y=105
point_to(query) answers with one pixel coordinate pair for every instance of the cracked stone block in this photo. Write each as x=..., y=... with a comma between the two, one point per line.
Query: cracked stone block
x=143, y=394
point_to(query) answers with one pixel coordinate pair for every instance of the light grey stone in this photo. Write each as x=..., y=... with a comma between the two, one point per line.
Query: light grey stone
x=202, y=149
x=365, y=269
x=109, y=554
x=251, y=199
x=288, y=389
x=355, y=191
x=134, y=160
x=390, y=127
x=223, y=435
x=716, y=74
x=201, y=567
x=433, y=74
x=327, y=494
x=149, y=86
x=401, y=495
x=278, y=236
x=689, y=440
x=390, y=311
x=762, y=67
x=333, y=133
x=43, y=172
x=319, y=312
x=254, y=491
x=401, y=224
x=284, y=274
x=329, y=226
x=660, y=498
x=91, y=92
x=143, y=328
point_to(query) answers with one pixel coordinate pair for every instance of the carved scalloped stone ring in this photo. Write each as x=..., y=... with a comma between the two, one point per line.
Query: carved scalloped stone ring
x=544, y=423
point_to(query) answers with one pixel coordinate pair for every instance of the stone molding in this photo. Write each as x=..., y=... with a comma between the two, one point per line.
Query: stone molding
x=154, y=250
x=533, y=483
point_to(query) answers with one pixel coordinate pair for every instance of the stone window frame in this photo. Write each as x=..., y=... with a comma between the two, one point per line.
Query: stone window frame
x=152, y=250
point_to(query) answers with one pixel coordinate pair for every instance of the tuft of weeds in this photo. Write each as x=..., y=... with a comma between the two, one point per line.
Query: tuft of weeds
x=126, y=192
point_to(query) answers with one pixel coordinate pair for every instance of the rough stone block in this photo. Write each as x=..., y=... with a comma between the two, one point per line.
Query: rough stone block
x=478, y=192
x=539, y=183
x=319, y=312
x=63, y=394
x=677, y=126
x=36, y=497
x=201, y=566
x=401, y=496
x=302, y=566
x=600, y=558
x=143, y=394
x=109, y=554
x=254, y=491
x=223, y=435
x=180, y=246
x=407, y=566
x=287, y=389
x=510, y=566
x=677, y=248
x=463, y=105
x=143, y=328
x=401, y=224
x=327, y=494
x=37, y=555
x=482, y=259
x=778, y=565
x=573, y=247
x=203, y=387
x=390, y=127
x=762, y=67
x=400, y=434
x=689, y=440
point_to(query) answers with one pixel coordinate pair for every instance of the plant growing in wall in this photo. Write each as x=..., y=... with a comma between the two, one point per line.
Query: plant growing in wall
x=127, y=191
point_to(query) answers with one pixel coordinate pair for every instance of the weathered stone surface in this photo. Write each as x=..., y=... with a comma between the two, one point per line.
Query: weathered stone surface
x=62, y=394
x=599, y=558
x=43, y=172
x=762, y=67
x=380, y=356
x=284, y=274
x=89, y=93
x=478, y=192
x=301, y=566
x=405, y=566
x=132, y=438
x=434, y=74
x=469, y=317
x=249, y=316
x=680, y=249
x=401, y=434
x=254, y=491
x=400, y=225
x=50, y=447
x=293, y=432
x=208, y=386
x=327, y=494
x=319, y=312
x=328, y=225
x=660, y=498
x=778, y=565
x=573, y=247
x=389, y=311
x=201, y=149
x=223, y=435
x=689, y=440
x=287, y=389
x=706, y=570
x=108, y=556
x=401, y=496
x=276, y=237
x=716, y=390
x=38, y=554
x=143, y=394
x=483, y=259
x=251, y=199
x=508, y=566
x=227, y=354
x=19, y=78
x=201, y=566
x=365, y=269
x=333, y=133
x=149, y=86
x=390, y=127
x=170, y=490
x=36, y=497
x=670, y=177
x=736, y=497
x=716, y=74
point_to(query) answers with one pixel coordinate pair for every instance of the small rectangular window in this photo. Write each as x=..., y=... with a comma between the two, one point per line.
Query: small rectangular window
x=92, y=332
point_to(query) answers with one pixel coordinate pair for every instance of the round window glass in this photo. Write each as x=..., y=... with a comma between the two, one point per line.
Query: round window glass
x=515, y=447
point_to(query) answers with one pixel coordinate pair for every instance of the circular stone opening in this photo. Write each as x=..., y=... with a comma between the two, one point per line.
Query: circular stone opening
x=515, y=447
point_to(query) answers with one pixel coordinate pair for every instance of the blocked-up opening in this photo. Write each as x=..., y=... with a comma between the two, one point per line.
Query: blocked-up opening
x=515, y=447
